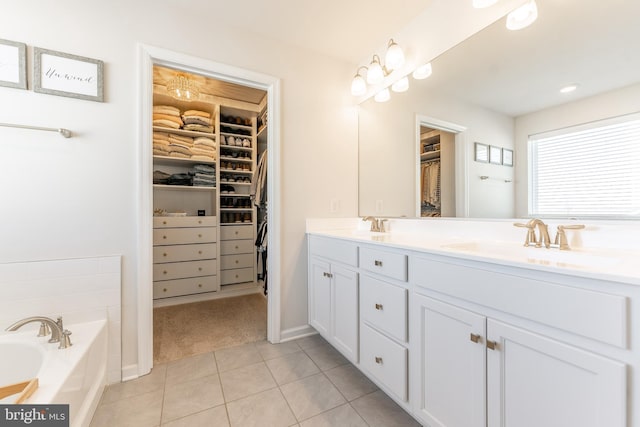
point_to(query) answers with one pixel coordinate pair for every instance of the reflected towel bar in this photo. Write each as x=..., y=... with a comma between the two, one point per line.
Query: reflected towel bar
x=64, y=132
x=485, y=177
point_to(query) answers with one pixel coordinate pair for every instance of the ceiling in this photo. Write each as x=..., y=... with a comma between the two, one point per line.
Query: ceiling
x=346, y=29
x=595, y=44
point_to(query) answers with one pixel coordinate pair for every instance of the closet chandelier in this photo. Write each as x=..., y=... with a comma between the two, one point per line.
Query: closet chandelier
x=183, y=88
x=376, y=71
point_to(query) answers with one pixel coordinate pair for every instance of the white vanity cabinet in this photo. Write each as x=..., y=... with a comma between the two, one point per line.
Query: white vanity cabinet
x=501, y=374
x=333, y=293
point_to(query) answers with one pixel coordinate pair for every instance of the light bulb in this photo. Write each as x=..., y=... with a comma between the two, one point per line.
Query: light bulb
x=423, y=71
x=523, y=16
x=394, y=58
x=383, y=96
x=375, y=74
x=358, y=85
x=401, y=85
x=481, y=4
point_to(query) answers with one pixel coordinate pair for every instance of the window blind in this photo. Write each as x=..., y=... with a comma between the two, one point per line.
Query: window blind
x=587, y=171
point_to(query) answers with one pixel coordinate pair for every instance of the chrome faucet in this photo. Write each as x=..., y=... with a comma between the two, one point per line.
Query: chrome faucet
x=58, y=333
x=543, y=233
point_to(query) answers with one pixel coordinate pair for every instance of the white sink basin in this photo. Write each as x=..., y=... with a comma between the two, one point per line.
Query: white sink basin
x=531, y=254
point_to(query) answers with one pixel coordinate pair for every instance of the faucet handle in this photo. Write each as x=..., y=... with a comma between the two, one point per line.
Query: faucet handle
x=65, y=341
x=561, y=236
x=381, y=222
x=531, y=233
x=44, y=330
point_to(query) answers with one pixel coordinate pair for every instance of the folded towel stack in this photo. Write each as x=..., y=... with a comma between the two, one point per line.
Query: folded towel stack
x=203, y=175
x=160, y=144
x=203, y=149
x=160, y=177
x=167, y=116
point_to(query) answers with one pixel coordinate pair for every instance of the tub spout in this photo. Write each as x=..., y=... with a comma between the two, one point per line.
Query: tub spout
x=57, y=333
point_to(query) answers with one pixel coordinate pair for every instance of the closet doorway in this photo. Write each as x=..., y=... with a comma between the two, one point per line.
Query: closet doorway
x=207, y=135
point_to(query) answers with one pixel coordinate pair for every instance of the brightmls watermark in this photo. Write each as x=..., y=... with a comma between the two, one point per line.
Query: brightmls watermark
x=34, y=415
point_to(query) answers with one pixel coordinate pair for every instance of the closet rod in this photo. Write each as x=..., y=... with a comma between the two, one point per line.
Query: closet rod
x=429, y=161
x=64, y=132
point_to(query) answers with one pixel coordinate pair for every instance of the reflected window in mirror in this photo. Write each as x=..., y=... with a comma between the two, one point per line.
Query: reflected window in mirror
x=589, y=170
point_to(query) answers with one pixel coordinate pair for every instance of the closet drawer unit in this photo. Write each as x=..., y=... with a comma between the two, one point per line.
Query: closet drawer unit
x=184, y=221
x=234, y=232
x=388, y=264
x=176, y=253
x=384, y=306
x=384, y=360
x=228, y=262
x=238, y=275
x=195, y=285
x=182, y=236
x=334, y=249
x=232, y=247
x=180, y=270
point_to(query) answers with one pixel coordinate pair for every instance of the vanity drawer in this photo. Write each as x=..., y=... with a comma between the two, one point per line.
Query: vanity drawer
x=195, y=285
x=334, y=249
x=174, y=253
x=384, y=306
x=230, y=247
x=183, y=221
x=388, y=264
x=228, y=262
x=234, y=232
x=385, y=360
x=181, y=236
x=179, y=270
x=238, y=275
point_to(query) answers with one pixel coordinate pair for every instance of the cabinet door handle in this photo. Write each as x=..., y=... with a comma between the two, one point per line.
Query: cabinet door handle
x=329, y=275
x=164, y=222
x=475, y=338
x=378, y=306
x=379, y=360
x=492, y=345
x=377, y=263
x=164, y=237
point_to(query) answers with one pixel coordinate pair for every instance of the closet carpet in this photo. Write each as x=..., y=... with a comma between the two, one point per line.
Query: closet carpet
x=185, y=330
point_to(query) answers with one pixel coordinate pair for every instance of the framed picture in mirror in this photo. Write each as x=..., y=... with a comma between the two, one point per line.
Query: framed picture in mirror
x=13, y=70
x=482, y=152
x=507, y=157
x=495, y=155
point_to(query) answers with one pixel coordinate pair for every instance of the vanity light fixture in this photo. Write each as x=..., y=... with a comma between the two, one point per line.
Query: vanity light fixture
x=377, y=71
x=383, y=96
x=523, y=16
x=423, y=71
x=569, y=88
x=401, y=85
x=481, y=4
x=183, y=88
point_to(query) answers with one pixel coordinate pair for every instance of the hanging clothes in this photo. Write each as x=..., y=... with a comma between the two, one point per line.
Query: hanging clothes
x=261, y=254
x=430, y=180
x=258, y=189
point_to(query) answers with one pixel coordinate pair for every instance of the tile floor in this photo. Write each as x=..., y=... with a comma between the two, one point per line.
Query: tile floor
x=304, y=383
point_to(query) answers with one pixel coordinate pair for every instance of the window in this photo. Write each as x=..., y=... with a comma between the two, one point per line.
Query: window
x=590, y=170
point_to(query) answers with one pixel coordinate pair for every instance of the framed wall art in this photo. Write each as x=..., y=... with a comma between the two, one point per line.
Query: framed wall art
x=63, y=74
x=507, y=157
x=481, y=152
x=13, y=64
x=495, y=155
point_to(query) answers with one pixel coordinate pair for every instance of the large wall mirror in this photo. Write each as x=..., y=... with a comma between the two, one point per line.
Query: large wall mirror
x=494, y=90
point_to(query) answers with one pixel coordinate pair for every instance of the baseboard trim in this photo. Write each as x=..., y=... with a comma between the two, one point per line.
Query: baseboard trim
x=297, y=332
x=130, y=372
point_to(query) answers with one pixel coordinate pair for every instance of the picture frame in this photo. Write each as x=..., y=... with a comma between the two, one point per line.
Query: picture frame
x=13, y=64
x=63, y=74
x=495, y=155
x=481, y=152
x=507, y=157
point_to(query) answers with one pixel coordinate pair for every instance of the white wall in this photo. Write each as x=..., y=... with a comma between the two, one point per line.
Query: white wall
x=65, y=198
x=388, y=154
x=611, y=104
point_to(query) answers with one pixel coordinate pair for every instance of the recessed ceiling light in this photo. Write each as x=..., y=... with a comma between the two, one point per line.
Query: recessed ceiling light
x=569, y=88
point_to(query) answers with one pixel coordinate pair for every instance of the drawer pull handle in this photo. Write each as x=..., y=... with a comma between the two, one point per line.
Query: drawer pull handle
x=164, y=222
x=377, y=263
x=164, y=290
x=237, y=261
x=492, y=345
x=164, y=272
x=164, y=254
x=199, y=285
x=199, y=222
x=199, y=252
x=199, y=235
x=236, y=246
x=378, y=306
x=379, y=360
x=164, y=237
x=475, y=338
x=236, y=276
x=236, y=233
x=199, y=268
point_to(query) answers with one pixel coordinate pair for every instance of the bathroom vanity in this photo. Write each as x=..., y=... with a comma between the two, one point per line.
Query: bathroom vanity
x=468, y=332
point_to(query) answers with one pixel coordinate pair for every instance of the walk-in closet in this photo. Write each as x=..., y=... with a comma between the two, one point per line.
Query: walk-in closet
x=210, y=279
x=437, y=172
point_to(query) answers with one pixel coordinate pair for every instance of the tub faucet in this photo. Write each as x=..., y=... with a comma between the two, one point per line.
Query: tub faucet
x=58, y=334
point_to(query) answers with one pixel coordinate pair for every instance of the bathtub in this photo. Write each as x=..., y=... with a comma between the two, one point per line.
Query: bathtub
x=75, y=375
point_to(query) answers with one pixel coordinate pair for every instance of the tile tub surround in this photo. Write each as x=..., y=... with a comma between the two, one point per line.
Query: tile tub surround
x=616, y=240
x=303, y=382
x=78, y=289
